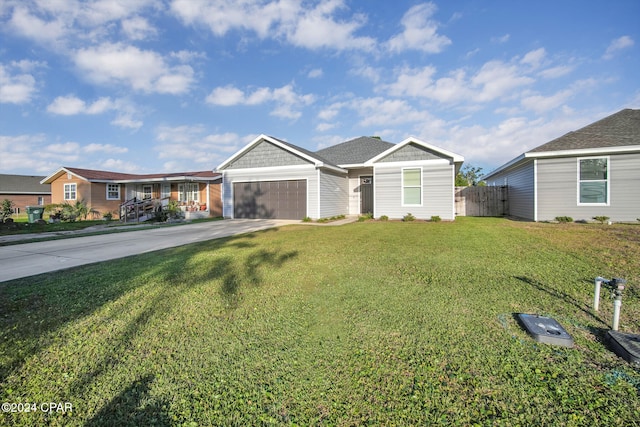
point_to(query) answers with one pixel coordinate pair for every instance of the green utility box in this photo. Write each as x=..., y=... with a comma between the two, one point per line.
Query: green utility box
x=34, y=213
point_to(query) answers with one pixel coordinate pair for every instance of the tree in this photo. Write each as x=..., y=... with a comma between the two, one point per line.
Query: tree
x=6, y=210
x=469, y=175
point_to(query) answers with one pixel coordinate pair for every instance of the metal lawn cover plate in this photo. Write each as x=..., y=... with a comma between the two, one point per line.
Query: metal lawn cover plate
x=545, y=330
x=626, y=346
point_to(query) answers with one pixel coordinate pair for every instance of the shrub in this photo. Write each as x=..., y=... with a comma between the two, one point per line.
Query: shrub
x=306, y=219
x=435, y=218
x=386, y=218
x=365, y=217
x=601, y=219
x=564, y=219
x=408, y=217
x=6, y=210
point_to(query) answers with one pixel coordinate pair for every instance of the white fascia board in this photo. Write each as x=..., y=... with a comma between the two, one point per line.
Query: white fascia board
x=455, y=157
x=160, y=179
x=332, y=168
x=585, y=151
x=268, y=169
x=58, y=172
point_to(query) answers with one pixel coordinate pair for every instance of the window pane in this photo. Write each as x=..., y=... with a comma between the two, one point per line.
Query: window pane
x=412, y=196
x=411, y=177
x=593, y=192
x=593, y=169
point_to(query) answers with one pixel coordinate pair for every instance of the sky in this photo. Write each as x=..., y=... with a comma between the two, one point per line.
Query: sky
x=151, y=86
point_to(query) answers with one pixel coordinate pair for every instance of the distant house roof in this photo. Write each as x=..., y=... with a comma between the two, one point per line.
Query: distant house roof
x=617, y=133
x=118, y=177
x=355, y=151
x=23, y=184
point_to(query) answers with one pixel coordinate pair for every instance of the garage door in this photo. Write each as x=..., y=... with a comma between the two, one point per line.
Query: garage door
x=270, y=199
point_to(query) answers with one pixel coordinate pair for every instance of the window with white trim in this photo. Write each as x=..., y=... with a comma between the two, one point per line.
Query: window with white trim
x=70, y=191
x=412, y=187
x=593, y=181
x=113, y=191
x=188, y=192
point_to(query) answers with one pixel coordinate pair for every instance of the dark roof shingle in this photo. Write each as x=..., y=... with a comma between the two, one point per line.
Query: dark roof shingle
x=26, y=184
x=355, y=151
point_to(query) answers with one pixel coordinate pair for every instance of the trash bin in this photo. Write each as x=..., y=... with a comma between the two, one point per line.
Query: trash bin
x=34, y=213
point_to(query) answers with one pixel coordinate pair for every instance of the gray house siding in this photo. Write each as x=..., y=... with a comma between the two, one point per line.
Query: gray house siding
x=308, y=172
x=266, y=154
x=437, y=190
x=558, y=189
x=409, y=153
x=521, y=189
x=334, y=199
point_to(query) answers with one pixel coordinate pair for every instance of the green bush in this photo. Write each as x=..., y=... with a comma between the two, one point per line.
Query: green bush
x=306, y=219
x=564, y=219
x=6, y=210
x=601, y=219
x=386, y=218
x=435, y=218
x=408, y=217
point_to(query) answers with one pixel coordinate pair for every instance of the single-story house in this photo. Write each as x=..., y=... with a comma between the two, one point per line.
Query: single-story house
x=24, y=190
x=593, y=171
x=271, y=178
x=198, y=193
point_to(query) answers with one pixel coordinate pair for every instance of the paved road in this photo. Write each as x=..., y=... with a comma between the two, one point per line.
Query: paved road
x=28, y=259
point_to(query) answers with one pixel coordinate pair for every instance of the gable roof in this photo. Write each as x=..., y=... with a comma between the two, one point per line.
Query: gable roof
x=93, y=175
x=617, y=133
x=411, y=140
x=23, y=184
x=356, y=151
x=317, y=160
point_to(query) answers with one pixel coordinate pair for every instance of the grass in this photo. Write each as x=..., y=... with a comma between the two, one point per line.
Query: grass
x=383, y=323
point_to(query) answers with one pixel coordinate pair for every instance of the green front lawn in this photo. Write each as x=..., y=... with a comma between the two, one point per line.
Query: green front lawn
x=382, y=323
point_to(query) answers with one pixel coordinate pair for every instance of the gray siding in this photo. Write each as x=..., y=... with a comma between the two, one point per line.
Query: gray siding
x=558, y=189
x=334, y=199
x=521, y=191
x=246, y=175
x=437, y=191
x=411, y=152
x=266, y=154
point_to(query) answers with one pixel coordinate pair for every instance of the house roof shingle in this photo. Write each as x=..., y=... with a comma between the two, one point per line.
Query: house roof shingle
x=98, y=175
x=355, y=151
x=617, y=130
x=23, y=184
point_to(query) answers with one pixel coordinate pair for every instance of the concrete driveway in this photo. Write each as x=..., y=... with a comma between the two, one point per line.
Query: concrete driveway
x=29, y=259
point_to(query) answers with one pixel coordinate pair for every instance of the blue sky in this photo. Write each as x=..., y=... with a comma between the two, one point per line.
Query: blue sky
x=147, y=86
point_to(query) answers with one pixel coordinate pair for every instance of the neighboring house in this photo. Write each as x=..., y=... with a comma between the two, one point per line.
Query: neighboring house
x=198, y=193
x=271, y=178
x=24, y=190
x=594, y=171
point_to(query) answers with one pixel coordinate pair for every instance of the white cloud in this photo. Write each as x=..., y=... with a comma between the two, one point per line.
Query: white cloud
x=191, y=145
x=315, y=73
x=534, y=58
x=497, y=79
x=142, y=70
x=138, y=28
x=555, y=72
x=308, y=27
x=105, y=148
x=541, y=104
x=16, y=88
x=118, y=165
x=501, y=39
x=287, y=101
x=617, y=45
x=420, y=31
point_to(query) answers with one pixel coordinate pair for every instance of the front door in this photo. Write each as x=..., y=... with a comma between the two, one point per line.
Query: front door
x=366, y=194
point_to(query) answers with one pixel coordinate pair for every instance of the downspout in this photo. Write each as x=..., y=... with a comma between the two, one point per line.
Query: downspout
x=535, y=190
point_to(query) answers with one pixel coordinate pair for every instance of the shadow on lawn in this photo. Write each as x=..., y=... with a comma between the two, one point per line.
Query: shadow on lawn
x=130, y=408
x=559, y=295
x=33, y=309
